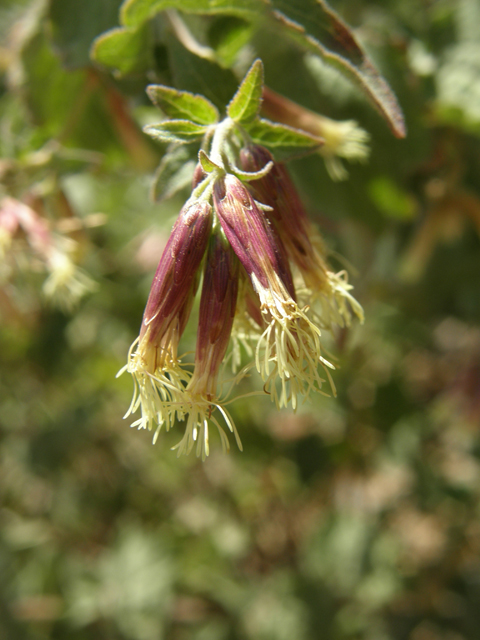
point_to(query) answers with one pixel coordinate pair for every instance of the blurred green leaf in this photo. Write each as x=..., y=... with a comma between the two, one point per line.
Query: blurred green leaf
x=179, y=131
x=281, y=138
x=126, y=50
x=197, y=75
x=314, y=25
x=68, y=106
x=390, y=199
x=174, y=172
x=76, y=24
x=134, y=12
x=227, y=36
x=245, y=104
x=183, y=104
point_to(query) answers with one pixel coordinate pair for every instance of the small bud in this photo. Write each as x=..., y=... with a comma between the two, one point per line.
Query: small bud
x=217, y=311
x=252, y=238
x=159, y=378
x=176, y=273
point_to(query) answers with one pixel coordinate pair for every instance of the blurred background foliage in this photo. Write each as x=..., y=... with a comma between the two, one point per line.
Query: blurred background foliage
x=355, y=518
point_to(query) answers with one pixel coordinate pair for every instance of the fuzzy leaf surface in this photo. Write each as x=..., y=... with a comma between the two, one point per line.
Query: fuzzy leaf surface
x=179, y=131
x=245, y=104
x=183, y=104
x=275, y=135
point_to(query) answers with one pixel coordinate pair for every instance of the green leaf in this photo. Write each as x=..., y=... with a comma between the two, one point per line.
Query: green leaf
x=315, y=26
x=227, y=36
x=174, y=172
x=66, y=105
x=75, y=25
x=207, y=165
x=134, y=12
x=126, y=50
x=197, y=75
x=183, y=104
x=274, y=135
x=179, y=131
x=245, y=104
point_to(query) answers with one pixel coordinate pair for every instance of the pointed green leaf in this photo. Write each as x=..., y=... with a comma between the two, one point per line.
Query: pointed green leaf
x=134, y=12
x=207, y=165
x=245, y=104
x=273, y=134
x=126, y=50
x=316, y=27
x=183, y=104
x=174, y=172
x=179, y=131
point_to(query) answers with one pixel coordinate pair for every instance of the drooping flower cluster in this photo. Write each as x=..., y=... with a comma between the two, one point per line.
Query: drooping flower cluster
x=266, y=285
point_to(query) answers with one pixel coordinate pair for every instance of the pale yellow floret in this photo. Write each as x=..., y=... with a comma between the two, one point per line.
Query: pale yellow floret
x=343, y=139
x=245, y=335
x=158, y=391
x=200, y=413
x=66, y=283
x=288, y=352
x=333, y=305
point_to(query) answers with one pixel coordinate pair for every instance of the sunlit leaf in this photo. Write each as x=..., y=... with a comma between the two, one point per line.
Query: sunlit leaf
x=179, y=131
x=280, y=136
x=245, y=104
x=315, y=26
x=134, y=12
x=207, y=165
x=183, y=104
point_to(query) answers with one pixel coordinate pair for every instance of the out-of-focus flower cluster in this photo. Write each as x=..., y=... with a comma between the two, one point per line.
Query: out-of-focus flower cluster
x=27, y=242
x=268, y=292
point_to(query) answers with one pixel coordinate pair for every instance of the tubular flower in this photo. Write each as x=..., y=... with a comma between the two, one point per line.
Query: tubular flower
x=303, y=244
x=288, y=352
x=217, y=311
x=153, y=361
x=245, y=224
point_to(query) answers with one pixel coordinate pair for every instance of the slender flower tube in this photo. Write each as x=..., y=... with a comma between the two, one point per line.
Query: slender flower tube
x=217, y=311
x=303, y=243
x=288, y=350
x=159, y=379
x=344, y=138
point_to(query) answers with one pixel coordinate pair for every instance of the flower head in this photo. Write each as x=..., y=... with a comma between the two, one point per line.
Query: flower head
x=217, y=311
x=288, y=352
x=153, y=361
x=304, y=246
x=244, y=220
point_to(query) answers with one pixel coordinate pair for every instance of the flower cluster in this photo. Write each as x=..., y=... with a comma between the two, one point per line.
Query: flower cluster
x=266, y=286
x=28, y=242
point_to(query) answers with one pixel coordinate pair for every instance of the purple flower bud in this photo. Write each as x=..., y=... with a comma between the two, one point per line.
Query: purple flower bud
x=288, y=214
x=217, y=311
x=176, y=278
x=198, y=175
x=252, y=238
